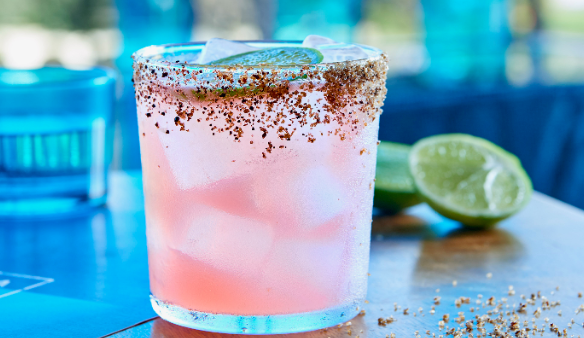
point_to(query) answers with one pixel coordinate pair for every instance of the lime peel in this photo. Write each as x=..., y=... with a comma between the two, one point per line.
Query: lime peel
x=281, y=56
x=394, y=186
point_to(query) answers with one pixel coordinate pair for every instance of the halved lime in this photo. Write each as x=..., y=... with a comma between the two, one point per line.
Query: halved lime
x=280, y=56
x=394, y=185
x=469, y=179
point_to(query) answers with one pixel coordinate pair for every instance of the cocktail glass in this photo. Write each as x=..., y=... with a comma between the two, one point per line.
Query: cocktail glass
x=258, y=185
x=55, y=141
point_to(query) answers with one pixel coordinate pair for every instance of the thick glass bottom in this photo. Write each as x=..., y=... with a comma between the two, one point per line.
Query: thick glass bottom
x=48, y=208
x=57, y=195
x=270, y=324
x=51, y=173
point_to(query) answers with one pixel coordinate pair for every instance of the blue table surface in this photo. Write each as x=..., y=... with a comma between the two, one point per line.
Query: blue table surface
x=88, y=277
x=82, y=277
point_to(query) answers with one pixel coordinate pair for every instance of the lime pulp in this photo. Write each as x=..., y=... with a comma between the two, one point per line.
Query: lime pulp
x=469, y=179
x=280, y=56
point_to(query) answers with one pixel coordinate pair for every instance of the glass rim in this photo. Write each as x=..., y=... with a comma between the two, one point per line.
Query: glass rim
x=67, y=78
x=152, y=55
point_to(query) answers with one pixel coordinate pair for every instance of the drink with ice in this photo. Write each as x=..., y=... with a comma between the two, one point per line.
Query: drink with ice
x=258, y=182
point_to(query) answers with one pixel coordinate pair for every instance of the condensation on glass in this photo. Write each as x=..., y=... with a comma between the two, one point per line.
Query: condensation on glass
x=258, y=187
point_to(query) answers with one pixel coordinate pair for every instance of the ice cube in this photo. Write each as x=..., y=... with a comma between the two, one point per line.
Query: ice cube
x=314, y=41
x=182, y=58
x=216, y=49
x=229, y=243
x=302, y=197
x=197, y=157
x=341, y=52
x=334, y=51
x=306, y=268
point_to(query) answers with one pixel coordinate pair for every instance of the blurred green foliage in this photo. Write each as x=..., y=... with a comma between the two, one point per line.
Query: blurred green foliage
x=394, y=16
x=59, y=14
x=562, y=20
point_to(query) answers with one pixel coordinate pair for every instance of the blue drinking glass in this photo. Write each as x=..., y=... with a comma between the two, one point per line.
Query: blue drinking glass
x=55, y=140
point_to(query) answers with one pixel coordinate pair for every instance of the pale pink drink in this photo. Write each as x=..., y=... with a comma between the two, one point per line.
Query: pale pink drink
x=258, y=184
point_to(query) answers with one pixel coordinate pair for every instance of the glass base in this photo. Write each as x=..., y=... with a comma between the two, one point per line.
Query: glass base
x=48, y=208
x=272, y=324
x=50, y=196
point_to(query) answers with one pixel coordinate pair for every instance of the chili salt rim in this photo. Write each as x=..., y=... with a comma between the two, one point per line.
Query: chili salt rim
x=353, y=92
x=162, y=59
